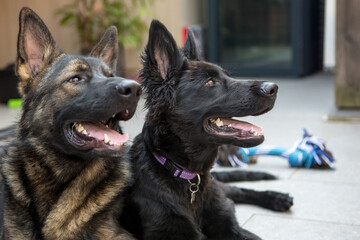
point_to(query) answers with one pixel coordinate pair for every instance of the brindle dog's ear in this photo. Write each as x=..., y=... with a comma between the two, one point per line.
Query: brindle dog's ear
x=36, y=49
x=107, y=48
x=162, y=51
x=190, y=48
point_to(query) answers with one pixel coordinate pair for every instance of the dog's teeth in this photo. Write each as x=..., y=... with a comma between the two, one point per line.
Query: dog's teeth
x=79, y=127
x=219, y=123
x=106, y=138
x=111, y=143
x=126, y=111
x=252, y=130
x=114, y=115
x=229, y=125
x=107, y=126
x=85, y=132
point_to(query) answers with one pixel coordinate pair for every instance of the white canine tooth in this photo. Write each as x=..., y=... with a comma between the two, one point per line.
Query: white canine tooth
x=106, y=138
x=79, y=127
x=252, y=130
x=219, y=123
x=229, y=125
x=114, y=115
x=111, y=143
x=107, y=126
x=126, y=111
x=84, y=132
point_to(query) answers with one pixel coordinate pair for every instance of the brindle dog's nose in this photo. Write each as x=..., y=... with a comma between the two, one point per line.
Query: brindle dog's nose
x=127, y=88
x=269, y=88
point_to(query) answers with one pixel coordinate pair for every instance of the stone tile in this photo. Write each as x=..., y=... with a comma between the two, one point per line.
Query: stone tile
x=283, y=228
x=316, y=201
x=8, y=116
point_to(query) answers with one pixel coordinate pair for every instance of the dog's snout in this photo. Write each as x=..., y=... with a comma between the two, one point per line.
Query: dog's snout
x=269, y=88
x=127, y=88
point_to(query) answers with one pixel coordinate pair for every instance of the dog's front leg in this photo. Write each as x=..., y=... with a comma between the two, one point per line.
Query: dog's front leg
x=169, y=222
x=276, y=201
x=220, y=221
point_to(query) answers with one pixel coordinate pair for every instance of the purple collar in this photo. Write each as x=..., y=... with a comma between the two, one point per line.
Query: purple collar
x=175, y=169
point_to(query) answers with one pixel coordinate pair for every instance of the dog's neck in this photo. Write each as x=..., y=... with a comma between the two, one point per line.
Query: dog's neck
x=195, y=157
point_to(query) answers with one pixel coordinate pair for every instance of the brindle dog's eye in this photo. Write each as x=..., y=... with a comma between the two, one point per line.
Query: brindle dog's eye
x=210, y=82
x=75, y=79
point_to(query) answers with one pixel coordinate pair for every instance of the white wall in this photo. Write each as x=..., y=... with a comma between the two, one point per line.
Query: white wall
x=329, y=34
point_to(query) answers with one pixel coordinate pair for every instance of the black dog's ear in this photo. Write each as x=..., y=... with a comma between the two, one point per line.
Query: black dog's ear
x=107, y=48
x=190, y=48
x=36, y=49
x=162, y=50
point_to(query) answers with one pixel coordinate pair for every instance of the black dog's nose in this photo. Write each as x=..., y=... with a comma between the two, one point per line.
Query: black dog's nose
x=269, y=88
x=128, y=88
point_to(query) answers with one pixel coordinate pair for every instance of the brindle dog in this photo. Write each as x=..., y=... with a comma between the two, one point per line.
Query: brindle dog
x=65, y=172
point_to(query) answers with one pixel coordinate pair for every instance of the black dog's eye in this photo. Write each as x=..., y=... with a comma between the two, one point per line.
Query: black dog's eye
x=210, y=82
x=76, y=79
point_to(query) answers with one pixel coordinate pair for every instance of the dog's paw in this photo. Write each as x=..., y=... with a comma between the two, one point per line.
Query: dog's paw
x=277, y=201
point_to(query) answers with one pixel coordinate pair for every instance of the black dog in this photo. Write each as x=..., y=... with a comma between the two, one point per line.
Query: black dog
x=190, y=104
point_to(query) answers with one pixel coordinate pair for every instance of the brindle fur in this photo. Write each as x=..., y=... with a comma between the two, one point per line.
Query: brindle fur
x=52, y=190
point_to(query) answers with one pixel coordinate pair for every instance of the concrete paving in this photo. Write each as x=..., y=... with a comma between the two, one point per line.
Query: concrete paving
x=326, y=202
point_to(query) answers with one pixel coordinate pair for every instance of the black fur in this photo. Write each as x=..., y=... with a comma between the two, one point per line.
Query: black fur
x=182, y=94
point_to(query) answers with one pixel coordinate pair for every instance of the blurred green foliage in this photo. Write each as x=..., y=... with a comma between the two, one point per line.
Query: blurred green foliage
x=92, y=17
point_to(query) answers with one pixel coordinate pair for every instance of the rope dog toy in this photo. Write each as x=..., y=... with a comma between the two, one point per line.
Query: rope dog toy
x=308, y=152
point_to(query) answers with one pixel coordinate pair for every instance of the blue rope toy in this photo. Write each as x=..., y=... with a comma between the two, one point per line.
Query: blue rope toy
x=308, y=152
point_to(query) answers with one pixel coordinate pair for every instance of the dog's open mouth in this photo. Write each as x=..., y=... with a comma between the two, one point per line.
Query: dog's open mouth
x=99, y=135
x=229, y=127
x=230, y=130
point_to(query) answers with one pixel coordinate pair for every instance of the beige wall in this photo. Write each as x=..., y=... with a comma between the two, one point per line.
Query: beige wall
x=9, y=26
x=167, y=11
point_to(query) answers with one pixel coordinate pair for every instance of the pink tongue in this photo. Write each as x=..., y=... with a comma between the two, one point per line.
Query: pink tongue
x=241, y=125
x=98, y=130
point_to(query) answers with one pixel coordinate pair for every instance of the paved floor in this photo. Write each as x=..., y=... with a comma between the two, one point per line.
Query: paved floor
x=326, y=203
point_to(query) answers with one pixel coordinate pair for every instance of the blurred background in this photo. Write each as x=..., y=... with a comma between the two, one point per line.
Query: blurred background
x=262, y=38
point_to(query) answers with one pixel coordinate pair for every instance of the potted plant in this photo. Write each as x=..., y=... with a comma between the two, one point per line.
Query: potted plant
x=92, y=17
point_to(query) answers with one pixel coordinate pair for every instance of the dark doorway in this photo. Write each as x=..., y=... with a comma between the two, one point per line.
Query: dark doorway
x=266, y=37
